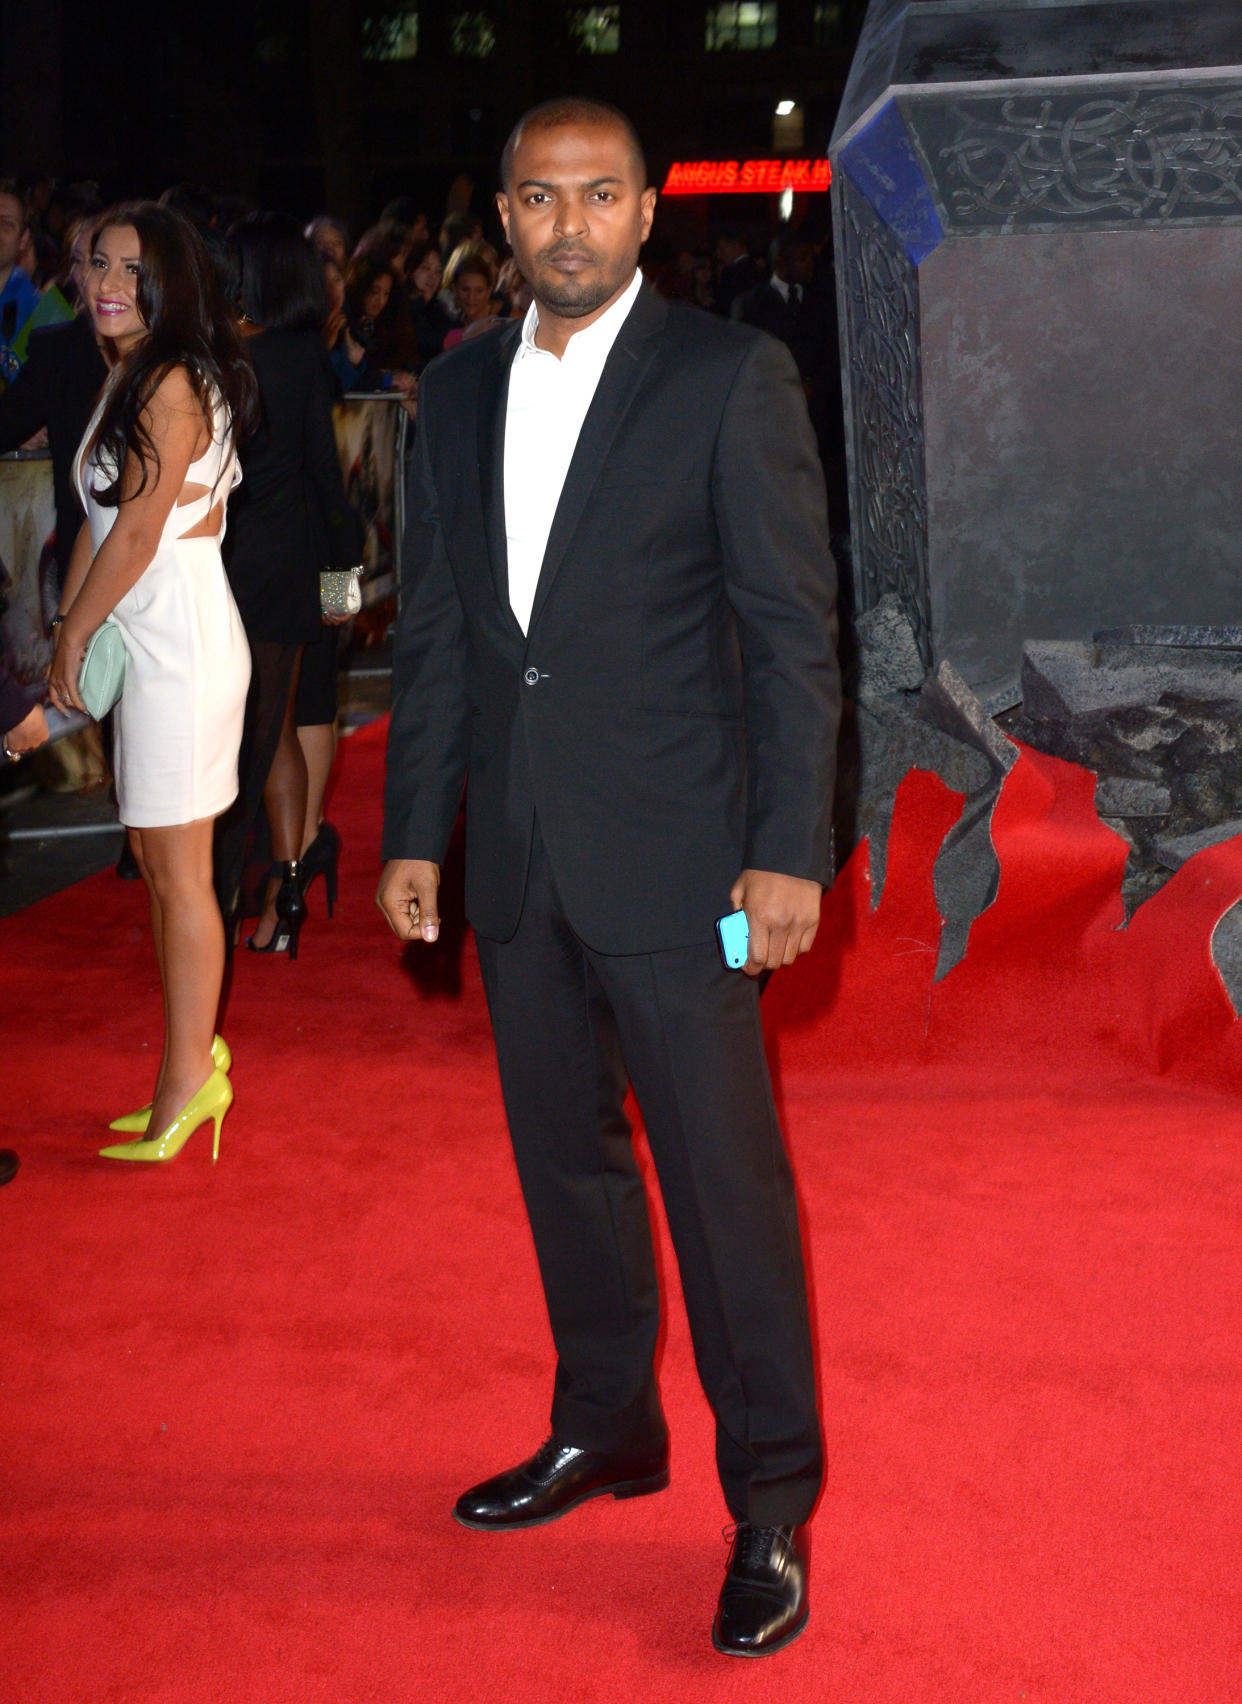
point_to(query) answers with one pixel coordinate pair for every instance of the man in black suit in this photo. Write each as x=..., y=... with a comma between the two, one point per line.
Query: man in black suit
x=57, y=388
x=618, y=621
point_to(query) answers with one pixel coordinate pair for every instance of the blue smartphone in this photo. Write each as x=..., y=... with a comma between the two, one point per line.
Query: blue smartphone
x=734, y=933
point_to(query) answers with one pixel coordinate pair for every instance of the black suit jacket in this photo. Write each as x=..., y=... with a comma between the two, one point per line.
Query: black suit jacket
x=671, y=715
x=57, y=387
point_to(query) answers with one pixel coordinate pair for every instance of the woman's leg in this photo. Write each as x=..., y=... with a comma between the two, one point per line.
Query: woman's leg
x=318, y=743
x=157, y=933
x=176, y=862
x=284, y=800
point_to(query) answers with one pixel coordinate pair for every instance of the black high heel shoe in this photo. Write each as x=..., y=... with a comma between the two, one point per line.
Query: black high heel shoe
x=321, y=858
x=291, y=910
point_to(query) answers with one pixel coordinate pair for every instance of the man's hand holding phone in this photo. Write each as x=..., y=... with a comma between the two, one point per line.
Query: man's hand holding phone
x=782, y=916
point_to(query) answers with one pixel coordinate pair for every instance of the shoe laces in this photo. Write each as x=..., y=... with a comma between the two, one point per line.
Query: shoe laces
x=754, y=1546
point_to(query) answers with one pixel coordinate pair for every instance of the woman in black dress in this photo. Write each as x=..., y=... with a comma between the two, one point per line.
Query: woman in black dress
x=288, y=521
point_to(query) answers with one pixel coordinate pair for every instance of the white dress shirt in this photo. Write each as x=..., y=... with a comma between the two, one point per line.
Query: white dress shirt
x=548, y=401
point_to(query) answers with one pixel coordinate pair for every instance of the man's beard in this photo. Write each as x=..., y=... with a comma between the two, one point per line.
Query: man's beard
x=571, y=297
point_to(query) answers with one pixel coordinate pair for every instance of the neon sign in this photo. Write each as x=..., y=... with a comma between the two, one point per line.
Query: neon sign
x=746, y=177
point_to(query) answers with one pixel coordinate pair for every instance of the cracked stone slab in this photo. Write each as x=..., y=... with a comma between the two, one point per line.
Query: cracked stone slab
x=966, y=874
x=1191, y=638
x=1176, y=849
x=889, y=660
x=1066, y=681
x=1123, y=796
x=949, y=704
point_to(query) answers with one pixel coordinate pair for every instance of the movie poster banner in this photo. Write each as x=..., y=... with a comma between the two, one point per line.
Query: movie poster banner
x=371, y=433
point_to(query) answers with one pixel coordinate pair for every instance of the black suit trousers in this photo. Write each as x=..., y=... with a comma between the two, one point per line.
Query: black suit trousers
x=570, y=1024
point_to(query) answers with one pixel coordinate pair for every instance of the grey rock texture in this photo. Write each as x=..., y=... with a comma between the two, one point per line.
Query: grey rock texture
x=1174, y=850
x=949, y=704
x=888, y=651
x=1213, y=638
x=1165, y=718
x=1158, y=721
x=1118, y=796
x=967, y=872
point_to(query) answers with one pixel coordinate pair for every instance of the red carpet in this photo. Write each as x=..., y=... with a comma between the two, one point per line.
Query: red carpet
x=239, y=1402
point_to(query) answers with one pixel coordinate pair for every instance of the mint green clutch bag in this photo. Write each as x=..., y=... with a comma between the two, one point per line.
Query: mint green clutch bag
x=102, y=675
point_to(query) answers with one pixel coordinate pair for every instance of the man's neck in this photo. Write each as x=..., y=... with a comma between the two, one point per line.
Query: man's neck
x=6, y=272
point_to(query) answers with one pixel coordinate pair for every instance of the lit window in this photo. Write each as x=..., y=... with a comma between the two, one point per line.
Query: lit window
x=829, y=23
x=748, y=25
x=472, y=35
x=595, y=29
x=394, y=35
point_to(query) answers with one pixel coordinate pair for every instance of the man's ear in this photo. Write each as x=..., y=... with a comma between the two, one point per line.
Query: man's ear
x=502, y=207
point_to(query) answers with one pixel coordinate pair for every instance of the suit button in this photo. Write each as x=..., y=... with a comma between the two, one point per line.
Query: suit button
x=531, y=677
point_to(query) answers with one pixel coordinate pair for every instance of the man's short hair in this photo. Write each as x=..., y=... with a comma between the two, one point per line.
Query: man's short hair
x=570, y=109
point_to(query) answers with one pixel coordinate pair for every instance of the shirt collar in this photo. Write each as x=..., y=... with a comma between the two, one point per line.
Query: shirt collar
x=597, y=338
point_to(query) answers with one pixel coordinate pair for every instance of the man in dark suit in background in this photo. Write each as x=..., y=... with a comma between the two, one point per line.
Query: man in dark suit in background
x=618, y=621
x=58, y=388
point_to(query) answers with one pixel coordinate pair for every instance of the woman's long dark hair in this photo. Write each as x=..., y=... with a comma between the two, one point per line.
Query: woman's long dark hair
x=360, y=275
x=281, y=284
x=188, y=325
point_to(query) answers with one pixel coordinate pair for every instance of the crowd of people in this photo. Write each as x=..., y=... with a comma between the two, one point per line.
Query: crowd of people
x=312, y=314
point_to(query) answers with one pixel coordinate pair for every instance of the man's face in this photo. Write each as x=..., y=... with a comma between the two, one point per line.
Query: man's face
x=577, y=214
x=12, y=224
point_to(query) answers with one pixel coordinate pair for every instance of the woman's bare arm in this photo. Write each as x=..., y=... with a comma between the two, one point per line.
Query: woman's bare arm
x=175, y=422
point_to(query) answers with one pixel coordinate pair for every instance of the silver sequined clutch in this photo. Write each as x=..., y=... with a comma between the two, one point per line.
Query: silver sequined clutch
x=340, y=591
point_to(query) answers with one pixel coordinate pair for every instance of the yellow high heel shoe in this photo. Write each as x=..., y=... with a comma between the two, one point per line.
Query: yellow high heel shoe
x=212, y=1101
x=135, y=1123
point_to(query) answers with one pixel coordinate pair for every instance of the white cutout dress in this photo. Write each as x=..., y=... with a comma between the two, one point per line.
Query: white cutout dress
x=178, y=725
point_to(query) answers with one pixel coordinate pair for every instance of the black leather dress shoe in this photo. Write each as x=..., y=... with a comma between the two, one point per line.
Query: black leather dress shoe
x=8, y=1165
x=763, y=1603
x=556, y=1479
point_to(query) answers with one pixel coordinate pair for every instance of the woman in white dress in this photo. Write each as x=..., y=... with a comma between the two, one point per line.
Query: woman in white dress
x=154, y=473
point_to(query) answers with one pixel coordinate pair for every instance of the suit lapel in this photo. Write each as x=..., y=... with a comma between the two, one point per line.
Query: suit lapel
x=623, y=372
x=493, y=403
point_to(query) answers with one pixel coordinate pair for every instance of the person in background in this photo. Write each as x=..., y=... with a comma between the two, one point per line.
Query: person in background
x=329, y=237
x=18, y=296
x=348, y=357
x=459, y=228
x=22, y=719
x=289, y=521
x=56, y=390
x=389, y=244
x=736, y=270
x=368, y=285
x=156, y=467
x=404, y=210
x=474, y=281
x=432, y=320
x=61, y=296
